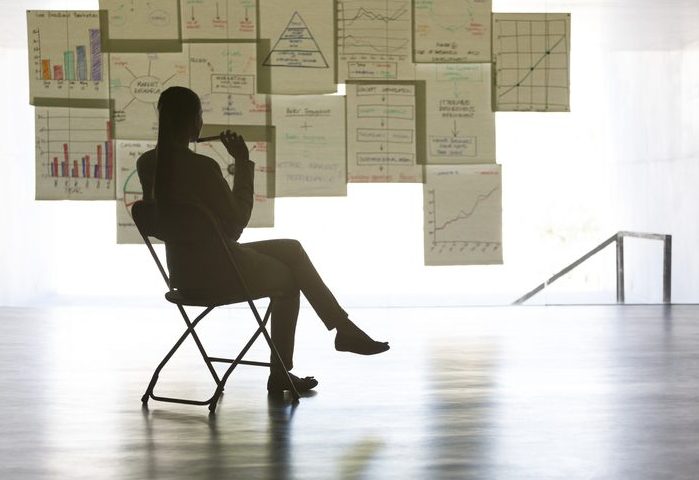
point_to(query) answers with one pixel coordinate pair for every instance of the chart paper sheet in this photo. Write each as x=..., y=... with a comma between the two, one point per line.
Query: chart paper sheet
x=463, y=215
x=460, y=121
x=142, y=25
x=531, y=52
x=66, y=63
x=310, y=145
x=452, y=31
x=74, y=154
x=137, y=81
x=129, y=189
x=381, y=134
x=297, y=55
x=374, y=40
x=218, y=19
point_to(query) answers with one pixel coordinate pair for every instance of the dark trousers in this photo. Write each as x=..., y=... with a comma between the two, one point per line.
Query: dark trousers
x=282, y=270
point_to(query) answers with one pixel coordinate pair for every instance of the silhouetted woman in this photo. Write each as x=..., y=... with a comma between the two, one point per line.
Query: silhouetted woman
x=279, y=268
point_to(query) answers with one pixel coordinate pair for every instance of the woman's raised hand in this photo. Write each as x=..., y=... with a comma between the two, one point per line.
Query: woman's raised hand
x=235, y=144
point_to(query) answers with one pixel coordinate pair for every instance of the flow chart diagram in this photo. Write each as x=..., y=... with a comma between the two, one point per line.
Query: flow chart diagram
x=381, y=136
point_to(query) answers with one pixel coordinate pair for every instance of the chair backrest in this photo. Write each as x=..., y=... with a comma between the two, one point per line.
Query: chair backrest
x=176, y=222
x=183, y=224
x=145, y=218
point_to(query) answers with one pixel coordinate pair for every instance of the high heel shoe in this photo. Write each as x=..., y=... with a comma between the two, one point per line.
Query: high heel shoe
x=359, y=344
x=277, y=383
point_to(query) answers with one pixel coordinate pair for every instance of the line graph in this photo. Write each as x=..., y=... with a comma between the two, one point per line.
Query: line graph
x=463, y=215
x=363, y=13
x=532, y=57
x=380, y=45
x=366, y=27
x=374, y=39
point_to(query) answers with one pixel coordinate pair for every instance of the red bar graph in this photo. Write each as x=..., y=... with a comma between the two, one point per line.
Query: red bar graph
x=98, y=167
x=109, y=152
x=75, y=154
x=103, y=167
x=86, y=166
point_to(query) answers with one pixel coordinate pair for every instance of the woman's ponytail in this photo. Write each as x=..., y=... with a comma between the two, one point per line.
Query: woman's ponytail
x=164, y=151
x=178, y=108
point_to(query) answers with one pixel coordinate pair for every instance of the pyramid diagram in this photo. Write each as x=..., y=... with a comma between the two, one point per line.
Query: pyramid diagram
x=296, y=47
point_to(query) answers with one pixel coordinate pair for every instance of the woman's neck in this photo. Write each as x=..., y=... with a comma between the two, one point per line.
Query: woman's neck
x=180, y=143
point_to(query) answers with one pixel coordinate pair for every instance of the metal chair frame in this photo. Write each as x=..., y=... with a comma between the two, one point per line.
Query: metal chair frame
x=180, y=300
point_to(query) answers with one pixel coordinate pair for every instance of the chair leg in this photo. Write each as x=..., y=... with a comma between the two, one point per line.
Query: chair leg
x=275, y=352
x=220, y=382
x=199, y=344
x=238, y=358
x=156, y=373
x=273, y=348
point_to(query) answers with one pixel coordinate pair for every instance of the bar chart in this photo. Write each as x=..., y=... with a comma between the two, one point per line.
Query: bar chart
x=65, y=57
x=74, y=154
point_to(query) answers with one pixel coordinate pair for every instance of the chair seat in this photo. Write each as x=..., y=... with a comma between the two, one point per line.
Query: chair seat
x=201, y=300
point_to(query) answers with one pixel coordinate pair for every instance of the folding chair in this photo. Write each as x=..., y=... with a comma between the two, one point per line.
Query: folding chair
x=178, y=222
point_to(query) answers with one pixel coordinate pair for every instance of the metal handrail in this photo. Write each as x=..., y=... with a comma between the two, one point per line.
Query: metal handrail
x=619, y=239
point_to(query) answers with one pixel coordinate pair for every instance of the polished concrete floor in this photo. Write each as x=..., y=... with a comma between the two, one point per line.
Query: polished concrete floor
x=486, y=393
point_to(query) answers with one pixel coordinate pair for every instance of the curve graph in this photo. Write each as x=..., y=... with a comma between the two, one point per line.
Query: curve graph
x=532, y=58
x=463, y=215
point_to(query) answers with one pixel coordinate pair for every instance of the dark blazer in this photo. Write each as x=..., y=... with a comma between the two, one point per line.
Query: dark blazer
x=198, y=178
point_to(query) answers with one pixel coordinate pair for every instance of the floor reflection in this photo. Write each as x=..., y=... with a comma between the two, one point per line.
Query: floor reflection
x=483, y=393
x=279, y=454
x=461, y=387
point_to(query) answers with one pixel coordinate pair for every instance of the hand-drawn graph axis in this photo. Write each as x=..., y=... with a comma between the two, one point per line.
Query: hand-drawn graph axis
x=556, y=45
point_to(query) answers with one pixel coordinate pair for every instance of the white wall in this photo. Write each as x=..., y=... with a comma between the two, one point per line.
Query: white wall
x=625, y=158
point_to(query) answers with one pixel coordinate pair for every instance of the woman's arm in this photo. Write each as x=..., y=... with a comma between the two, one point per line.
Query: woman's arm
x=234, y=207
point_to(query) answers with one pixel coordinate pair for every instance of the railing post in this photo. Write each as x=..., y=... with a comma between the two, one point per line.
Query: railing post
x=620, y=268
x=667, y=269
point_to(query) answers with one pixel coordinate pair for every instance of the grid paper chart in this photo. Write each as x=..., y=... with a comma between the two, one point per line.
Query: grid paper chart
x=531, y=52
